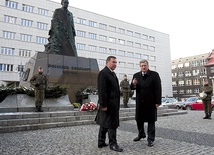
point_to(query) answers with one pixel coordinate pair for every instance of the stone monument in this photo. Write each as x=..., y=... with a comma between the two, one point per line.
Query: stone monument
x=60, y=61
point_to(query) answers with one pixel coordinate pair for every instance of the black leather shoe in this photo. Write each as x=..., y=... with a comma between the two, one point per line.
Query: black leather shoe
x=151, y=143
x=138, y=138
x=116, y=148
x=102, y=145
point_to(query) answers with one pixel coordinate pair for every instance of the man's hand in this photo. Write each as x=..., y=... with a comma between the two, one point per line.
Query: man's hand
x=104, y=109
x=134, y=81
x=157, y=105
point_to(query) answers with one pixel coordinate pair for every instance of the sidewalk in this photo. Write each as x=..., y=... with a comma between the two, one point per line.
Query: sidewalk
x=187, y=134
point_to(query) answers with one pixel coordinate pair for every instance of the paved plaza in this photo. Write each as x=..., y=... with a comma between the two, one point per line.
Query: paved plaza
x=186, y=134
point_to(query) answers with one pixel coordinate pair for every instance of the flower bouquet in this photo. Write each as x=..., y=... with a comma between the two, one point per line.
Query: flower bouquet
x=89, y=106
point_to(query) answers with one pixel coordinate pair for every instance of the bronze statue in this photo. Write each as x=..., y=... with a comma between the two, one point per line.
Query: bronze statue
x=62, y=32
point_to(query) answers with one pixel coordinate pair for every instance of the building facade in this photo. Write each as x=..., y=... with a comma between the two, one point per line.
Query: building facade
x=188, y=75
x=24, y=26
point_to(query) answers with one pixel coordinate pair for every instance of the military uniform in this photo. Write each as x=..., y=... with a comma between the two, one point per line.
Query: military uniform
x=39, y=82
x=125, y=89
x=207, y=100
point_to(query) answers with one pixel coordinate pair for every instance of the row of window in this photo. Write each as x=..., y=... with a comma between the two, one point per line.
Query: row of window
x=114, y=29
x=194, y=63
x=25, y=22
x=11, y=51
x=24, y=37
x=115, y=40
x=112, y=51
x=190, y=73
x=187, y=91
x=186, y=82
x=26, y=8
x=6, y=67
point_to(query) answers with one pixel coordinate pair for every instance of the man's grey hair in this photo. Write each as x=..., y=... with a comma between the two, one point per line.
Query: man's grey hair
x=143, y=61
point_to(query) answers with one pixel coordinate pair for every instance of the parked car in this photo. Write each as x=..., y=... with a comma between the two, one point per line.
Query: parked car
x=196, y=104
x=168, y=101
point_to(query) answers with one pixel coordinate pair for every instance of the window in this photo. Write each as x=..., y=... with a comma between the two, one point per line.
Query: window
x=9, y=19
x=195, y=72
x=92, y=24
x=81, y=21
x=146, y=57
x=151, y=38
x=173, y=67
x=196, y=91
x=41, y=40
x=11, y=4
x=81, y=33
x=26, y=22
x=188, y=82
x=129, y=43
x=92, y=48
x=112, y=40
x=203, y=71
x=6, y=67
x=174, y=75
x=181, y=83
x=24, y=53
x=102, y=62
x=138, y=45
x=145, y=47
x=103, y=50
x=92, y=35
x=130, y=54
x=181, y=91
x=112, y=51
x=175, y=91
x=27, y=8
x=189, y=91
x=145, y=37
x=137, y=55
x=121, y=41
x=137, y=35
x=80, y=46
x=130, y=33
x=187, y=73
x=112, y=28
x=195, y=63
x=186, y=64
x=121, y=53
x=174, y=83
x=202, y=62
x=121, y=30
x=151, y=48
x=7, y=50
x=180, y=74
x=196, y=82
x=121, y=64
x=43, y=12
x=180, y=65
x=20, y=68
x=8, y=35
x=103, y=38
x=130, y=65
x=25, y=37
x=42, y=26
x=102, y=26
x=152, y=58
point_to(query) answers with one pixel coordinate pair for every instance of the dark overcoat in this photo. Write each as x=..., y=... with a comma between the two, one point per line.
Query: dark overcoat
x=109, y=96
x=148, y=93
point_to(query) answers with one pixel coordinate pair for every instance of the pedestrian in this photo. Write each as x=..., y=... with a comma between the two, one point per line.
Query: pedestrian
x=125, y=89
x=207, y=90
x=109, y=104
x=39, y=82
x=147, y=84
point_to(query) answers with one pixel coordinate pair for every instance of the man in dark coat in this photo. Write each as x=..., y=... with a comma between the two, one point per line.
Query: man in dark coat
x=147, y=84
x=207, y=99
x=109, y=105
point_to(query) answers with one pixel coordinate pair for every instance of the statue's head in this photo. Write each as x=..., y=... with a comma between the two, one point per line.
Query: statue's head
x=65, y=3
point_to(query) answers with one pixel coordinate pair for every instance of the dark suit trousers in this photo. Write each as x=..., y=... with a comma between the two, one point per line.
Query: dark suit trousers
x=111, y=136
x=150, y=130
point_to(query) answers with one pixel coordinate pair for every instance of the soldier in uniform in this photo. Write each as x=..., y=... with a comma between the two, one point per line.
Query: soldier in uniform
x=207, y=100
x=39, y=82
x=125, y=89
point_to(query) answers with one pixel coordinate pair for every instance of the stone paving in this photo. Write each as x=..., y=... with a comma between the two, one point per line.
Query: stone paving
x=186, y=134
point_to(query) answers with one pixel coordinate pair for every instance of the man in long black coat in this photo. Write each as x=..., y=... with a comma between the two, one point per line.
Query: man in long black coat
x=148, y=97
x=109, y=105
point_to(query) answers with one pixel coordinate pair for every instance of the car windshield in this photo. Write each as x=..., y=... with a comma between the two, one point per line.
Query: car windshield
x=163, y=100
x=191, y=99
